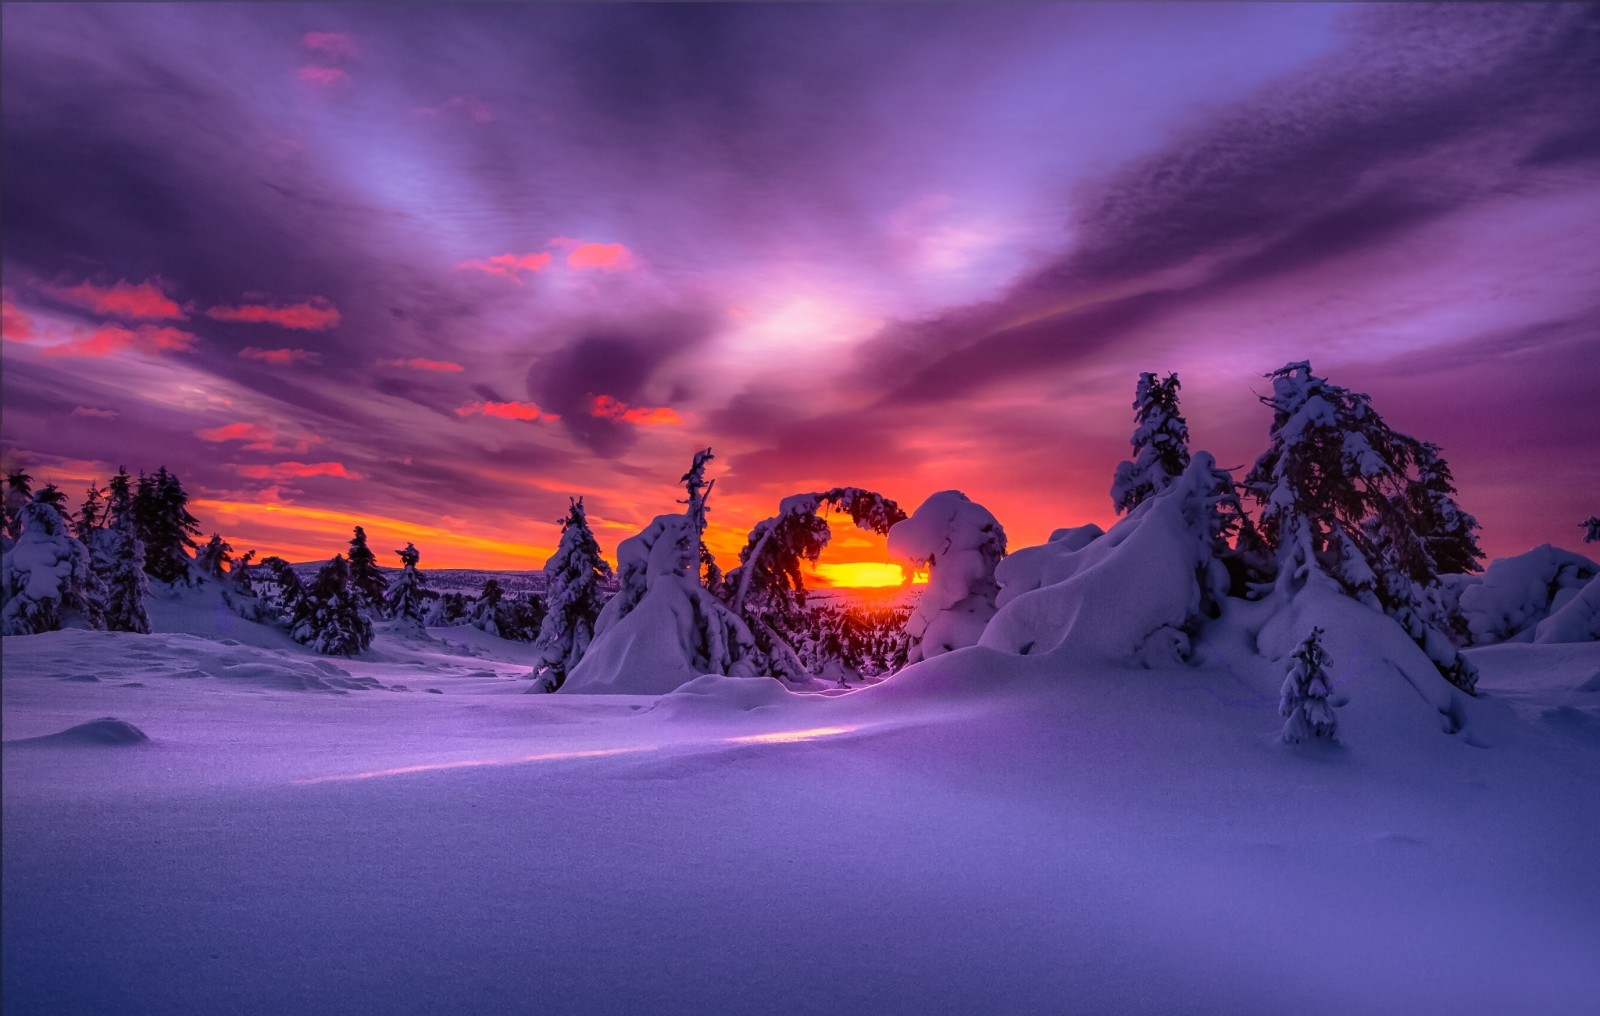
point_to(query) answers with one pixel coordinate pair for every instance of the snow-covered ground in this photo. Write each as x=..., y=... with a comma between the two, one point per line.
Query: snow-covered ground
x=984, y=833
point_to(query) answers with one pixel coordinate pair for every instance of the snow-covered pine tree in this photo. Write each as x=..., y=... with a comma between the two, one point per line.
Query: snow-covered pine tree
x=573, y=598
x=1337, y=490
x=330, y=619
x=1304, y=699
x=698, y=489
x=46, y=578
x=1160, y=443
x=214, y=559
x=161, y=510
x=91, y=515
x=1448, y=533
x=289, y=593
x=768, y=590
x=485, y=614
x=18, y=492
x=407, y=598
x=1591, y=529
x=118, y=558
x=365, y=578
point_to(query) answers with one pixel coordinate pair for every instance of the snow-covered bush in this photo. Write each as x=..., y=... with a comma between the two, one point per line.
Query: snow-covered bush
x=1160, y=443
x=573, y=598
x=1304, y=699
x=1138, y=593
x=960, y=544
x=1515, y=594
x=485, y=614
x=664, y=628
x=329, y=618
x=46, y=578
x=406, y=601
x=768, y=590
x=1343, y=495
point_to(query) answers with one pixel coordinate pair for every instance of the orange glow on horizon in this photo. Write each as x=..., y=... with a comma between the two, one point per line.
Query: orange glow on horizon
x=860, y=574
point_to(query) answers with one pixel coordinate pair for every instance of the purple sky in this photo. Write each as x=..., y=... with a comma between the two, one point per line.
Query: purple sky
x=328, y=260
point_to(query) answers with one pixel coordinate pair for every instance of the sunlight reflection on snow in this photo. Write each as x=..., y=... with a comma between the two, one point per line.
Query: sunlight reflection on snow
x=427, y=767
x=790, y=736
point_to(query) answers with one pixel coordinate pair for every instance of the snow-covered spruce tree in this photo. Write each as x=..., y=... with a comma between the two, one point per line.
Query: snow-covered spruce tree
x=365, y=578
x=1304, y=700
x=239, y=591
x=519, y=617
x=330, y=619
x=1448, y=534
x=768, y=591
x=407, y=598
x=1337, y=494
x=288, y=594
x=118, y=558
x=161, y=511
x=91, y=515
x=573, y=598
x=448, y=610
x=18, y=492
x=1591, y=529
x=46, y=578
x=485, y=615
x=1160, y=443
x=960, y=544
x=214, y=559
x=698, y=490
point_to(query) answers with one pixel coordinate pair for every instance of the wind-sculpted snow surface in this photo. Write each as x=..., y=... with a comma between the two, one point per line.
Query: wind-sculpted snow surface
x=1137, y=593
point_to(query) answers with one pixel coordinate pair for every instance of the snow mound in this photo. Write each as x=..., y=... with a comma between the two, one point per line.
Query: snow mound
x=108, y=731
x=1577, y=621
x=715, y=693
x=1514, y=594
x=1134, y=593
x=960, y=543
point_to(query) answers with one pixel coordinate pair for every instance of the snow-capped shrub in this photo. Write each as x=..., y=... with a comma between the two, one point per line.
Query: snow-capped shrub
x=960, y=544
x=1304, y=699
x=573, y=598
x=485, y=614
x=1160, y=443
x=329, y=618
x=664, y=629
x=1138, y=593
x=46, y=577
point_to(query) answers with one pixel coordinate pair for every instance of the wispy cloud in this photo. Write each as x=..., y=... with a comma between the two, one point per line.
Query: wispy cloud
x=608, y=408
x=420, y=363
x=144, y=300
x=312, y=316
x=280, y=357
x=526, y=411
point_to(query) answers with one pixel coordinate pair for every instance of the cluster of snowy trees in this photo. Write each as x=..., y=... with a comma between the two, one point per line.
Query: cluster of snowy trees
x=1338, y=502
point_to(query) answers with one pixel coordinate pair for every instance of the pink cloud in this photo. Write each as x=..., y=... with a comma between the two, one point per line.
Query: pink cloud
x=608, y=408
x=144, y=300
x=508, y=266
x=295, y=470
x=16, y=325
x=418, y=363
x=280, y=357
x=506, y=411
x=322, y=77
x=109, y=340
x=333, y=46
x=475, y=109
x=93, y=413
x=316, y=315
x=258, y=437
x=604, y=257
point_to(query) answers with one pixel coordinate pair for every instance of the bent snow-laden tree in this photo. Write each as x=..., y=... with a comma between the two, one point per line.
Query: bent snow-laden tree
x=1160, y=443
x=768, y=591
x=960, y=544
x=573, y=599
x=407, y=598
x=329, y=618
x=46, y=577
x=698, y=490
x=1339, y=496
x=1304, y=699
